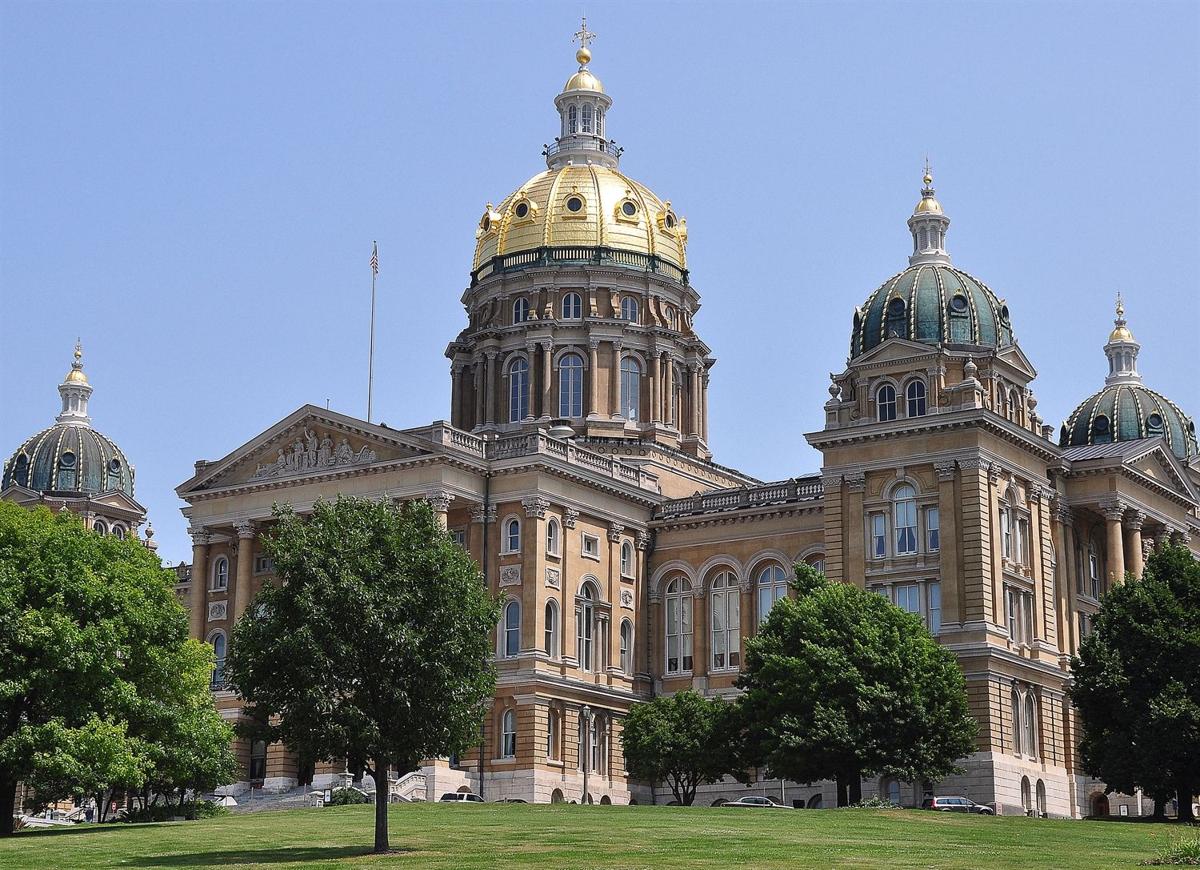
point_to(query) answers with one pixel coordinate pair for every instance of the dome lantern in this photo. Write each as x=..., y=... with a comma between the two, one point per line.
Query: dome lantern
x=582, y=107
x=1122, y=351
x=928, y=226
x=75, y=391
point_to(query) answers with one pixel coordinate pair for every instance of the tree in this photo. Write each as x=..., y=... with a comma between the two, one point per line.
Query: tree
x=682, y=740
x=1137, y=683
x=374, y=646
x=89, y=626
x=840, y=684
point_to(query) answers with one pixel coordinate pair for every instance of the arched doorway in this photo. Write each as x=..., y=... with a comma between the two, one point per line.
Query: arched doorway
x=1100, y=805
x=1041, y=799
x=814, y=802
x=605, y=801
x=1026, y=798
x=556, y=796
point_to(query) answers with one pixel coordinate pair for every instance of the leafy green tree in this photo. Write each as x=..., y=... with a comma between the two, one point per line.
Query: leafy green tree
x=374, y=646
x=88, y=628
x=682, y=740
x=840, y=684
x=1137, y=683
x=80, y=762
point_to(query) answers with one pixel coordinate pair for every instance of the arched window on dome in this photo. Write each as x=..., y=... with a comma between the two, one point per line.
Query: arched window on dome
x=678, y=601
x=599, y=121
x=629, y=309
x=897, y=325
x=518, y=390
x=21, y=470
x=631, y=387
x=521, y=310
x=586, y=125
x=572, y=120
x=916, y=398
x=960, y=319
x=1154, y=425
x=885, y=403
x=570, y=386
x=1101, y=432
x=572, y=306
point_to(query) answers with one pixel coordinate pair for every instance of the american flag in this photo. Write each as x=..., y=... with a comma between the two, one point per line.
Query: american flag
x=374, y=258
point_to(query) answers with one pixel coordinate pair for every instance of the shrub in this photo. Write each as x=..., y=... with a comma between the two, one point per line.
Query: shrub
x=875, y=803
x=1180, y=853
x=166, y=812
x=346, y=796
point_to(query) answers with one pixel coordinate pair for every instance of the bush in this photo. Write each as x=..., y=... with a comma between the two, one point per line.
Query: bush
x=1181, y=852
x=875, y=803
x=166, y=812
x=346, y=796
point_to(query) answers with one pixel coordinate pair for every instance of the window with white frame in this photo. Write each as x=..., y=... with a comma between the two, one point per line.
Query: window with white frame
x=263, y=564
x=518, y=390
x=585, y=627
x=1019, y=609
x=629, y=309
x=572, y=306
x=678, y=601
x=916, y=399
x=551, y=630
x=907, y=597
x=878, y=536
x=772, y=585
x=552, y=734
x=626, y=559
x=1014, y=702
x=590, y=545
x=572, y=120
x=1029, y=726
x=521, y=310
x=512, y=535
x=1095, y=576
x=512, y=629
x=933, y=593
x=220, y=574
x=1006, y=534
x=587, y=118
x=725, y=616
x=933, y=532
x=570, y=385
x=508, y=734
x=552, y=537
x=626, y=647
x=631, y=387
x=904, y=518
x=885, y=403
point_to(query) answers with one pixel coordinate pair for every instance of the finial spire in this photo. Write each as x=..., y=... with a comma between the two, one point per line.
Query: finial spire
x=583, y=36
x=928, y=175
x=928, y=224
x=1120, y=310
x=75, y=390
x=1122, y=350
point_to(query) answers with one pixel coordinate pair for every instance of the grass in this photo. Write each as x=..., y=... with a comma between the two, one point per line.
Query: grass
x=515, y=835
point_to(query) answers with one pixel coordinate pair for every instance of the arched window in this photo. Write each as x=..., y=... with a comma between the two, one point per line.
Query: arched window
x=890, y=791
x=631, y=387
x=599, y=121
x=904, y=519
x=508, y=734
x=817, y=563
x=1026, y=798
x=572, y=120
x=626, y=559
x=118, y=532
x=1015, y=704
x=585, y=627
x=586, y=127
x=512, y=629
x=100, y=527
x=220, y=575
x=916, y=399
x=1029, y=726
x=572, y=306
x=626, y=647
x=552, y=537
x=217, y=639
x=725, y=613
x=772, y=585
x=885, y=403
x=1041, y=799
x=629, y=309
x=552, y=628
x=896, y=321
x=570, y=386
x=518, y=390
x=512, y=536
x=521, y=310
x=679, y=626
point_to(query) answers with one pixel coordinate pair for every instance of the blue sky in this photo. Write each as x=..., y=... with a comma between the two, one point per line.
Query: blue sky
x=193, y=188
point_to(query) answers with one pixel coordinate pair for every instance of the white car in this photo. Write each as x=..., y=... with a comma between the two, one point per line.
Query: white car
x=756, y=801
x=460, y=797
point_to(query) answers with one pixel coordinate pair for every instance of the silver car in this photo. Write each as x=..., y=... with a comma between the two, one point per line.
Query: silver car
x=760, y=801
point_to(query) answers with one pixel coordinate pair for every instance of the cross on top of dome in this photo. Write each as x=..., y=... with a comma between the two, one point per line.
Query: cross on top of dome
x=583, y=36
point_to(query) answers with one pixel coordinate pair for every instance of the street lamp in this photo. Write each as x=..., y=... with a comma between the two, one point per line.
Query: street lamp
x=588, y=716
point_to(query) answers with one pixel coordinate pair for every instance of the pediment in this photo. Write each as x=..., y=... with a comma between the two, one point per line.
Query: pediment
x=1161, y=466
x=116, y=498
x=894, y=350
x=310, y=442
x=1014, y=356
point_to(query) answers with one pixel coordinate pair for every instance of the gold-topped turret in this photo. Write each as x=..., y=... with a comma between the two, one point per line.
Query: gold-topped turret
x=928, y=204
x=76, y=375
x=583, y=80
x=1120, y=331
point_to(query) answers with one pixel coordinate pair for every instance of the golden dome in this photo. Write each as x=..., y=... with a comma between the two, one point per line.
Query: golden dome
x=586, y=205
x=1121, y=333
x=584, y=81
x=76, y=376
x=928, y=205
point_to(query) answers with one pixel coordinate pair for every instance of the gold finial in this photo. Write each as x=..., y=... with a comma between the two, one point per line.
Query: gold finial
x=928, y=178
x=1120, y=328
x=76, y=375
x=583, y=36
x=1120, y=306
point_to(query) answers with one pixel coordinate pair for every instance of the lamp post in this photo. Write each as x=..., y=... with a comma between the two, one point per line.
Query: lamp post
x=588, y=716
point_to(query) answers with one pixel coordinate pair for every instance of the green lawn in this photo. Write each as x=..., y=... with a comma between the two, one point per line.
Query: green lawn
x=515, y=835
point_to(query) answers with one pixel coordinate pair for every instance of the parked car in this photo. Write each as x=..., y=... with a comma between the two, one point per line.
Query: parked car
x=956, y=804
x=460, y=797
x=756, y=801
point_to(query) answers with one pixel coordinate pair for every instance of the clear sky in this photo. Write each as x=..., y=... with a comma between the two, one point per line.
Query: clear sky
x=193, y=188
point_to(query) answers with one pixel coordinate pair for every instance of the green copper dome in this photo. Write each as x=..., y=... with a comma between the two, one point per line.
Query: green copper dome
x=69, y=459
x=932, y=303
x=1129, y=412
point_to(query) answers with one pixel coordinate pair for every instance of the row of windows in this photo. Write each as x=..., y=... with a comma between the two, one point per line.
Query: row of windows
x=571, y=308
x=591, y=753
x=922, y=599
x=100, y=527
x=590, y=544
x=590, y=646
x=886, y=402
x=585, y=119
x=905, y=531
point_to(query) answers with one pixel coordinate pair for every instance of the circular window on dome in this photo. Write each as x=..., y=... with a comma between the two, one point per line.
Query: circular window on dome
x=1100, y=425
x=114, y=465
x=67, y=460
x=1154, y=424
x=958, y=304
x=522, y=210
x=670, y=220
x=628, y=208
x=575, y=204
x=1004, y=314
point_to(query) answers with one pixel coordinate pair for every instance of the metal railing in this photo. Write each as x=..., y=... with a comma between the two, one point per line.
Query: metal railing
x=583, y=142
x=780, y=492
x=600, y=255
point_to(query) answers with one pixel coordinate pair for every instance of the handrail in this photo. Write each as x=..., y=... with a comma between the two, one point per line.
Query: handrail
x=780, y=492
x=595, y=255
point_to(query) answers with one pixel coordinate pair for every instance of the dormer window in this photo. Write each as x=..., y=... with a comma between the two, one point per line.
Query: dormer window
x=575, y=204
x=1154, y=425
x=885, y=403
x=1101, y=434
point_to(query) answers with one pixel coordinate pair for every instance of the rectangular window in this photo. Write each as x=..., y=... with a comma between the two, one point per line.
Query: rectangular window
x=1085, y=625
x=1094, y=575
x=591, y=546
x=908, y=599
x=1006, y=534
x=1027, y=618
x=878, y=536
x=934, y=591
x=932, y=530
x=1019, y=607
x=1011, y=609
x=263, y=564
x=906, y=526
x=459, y=536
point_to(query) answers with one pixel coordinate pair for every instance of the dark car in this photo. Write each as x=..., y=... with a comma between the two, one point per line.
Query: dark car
x=956, y=804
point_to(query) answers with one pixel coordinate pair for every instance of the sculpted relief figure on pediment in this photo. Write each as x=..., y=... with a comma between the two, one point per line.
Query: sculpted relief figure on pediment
x=314, y=451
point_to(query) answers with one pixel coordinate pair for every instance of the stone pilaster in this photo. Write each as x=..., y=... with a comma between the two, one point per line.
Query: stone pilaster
x=1114, y=513
x=948, y=557
x=245, y=567
x=976, y=536
x=835, y=568
x=1134, y=520
x=533, y=569
x=854, y=529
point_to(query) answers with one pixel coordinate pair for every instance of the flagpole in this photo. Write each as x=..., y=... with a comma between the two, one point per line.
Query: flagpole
x=371, y=351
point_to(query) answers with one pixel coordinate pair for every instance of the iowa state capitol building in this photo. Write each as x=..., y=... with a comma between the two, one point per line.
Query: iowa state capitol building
x=576, y=468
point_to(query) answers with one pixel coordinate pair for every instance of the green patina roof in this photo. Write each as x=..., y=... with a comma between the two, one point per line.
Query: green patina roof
x=70, y=459
x=1128, y=410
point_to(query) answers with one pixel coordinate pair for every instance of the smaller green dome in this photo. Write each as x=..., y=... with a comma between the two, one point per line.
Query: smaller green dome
x=1130, y=412
x=935, y=304
x=69, y=459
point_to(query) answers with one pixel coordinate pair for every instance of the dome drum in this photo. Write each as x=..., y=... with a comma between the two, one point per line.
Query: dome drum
x=577, y=255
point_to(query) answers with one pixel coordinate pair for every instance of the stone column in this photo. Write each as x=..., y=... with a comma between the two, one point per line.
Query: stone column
x=1134, y=521
x=439, y=500
x=669, y=391
x=593, y=377
x=694, y=415
x=655, y=388
x=548, y=409
x=245, y=567
x=200, y=545
x=854, y=530
x=700, y=631
x=1061, y=518
x=614, y=383
x=478, y=379
x=455, y=394
x=748, y=612
x=704, y=407
x=489, y=388
x=1114, y=512
x=951, y=575
x=531, y=383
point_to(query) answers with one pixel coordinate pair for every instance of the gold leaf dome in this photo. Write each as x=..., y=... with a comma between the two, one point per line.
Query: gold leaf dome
x=928, y=205
x=586, y=206
x=583, y=81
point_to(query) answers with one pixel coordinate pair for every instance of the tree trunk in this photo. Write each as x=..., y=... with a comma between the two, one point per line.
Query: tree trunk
x=8, y=805
x=856, y=788
x=843, y=790
x=381, y=806
x=1185, y=802
x=1160, y=809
